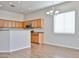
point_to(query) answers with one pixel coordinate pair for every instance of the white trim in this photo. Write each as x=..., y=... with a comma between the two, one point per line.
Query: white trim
x=19, y=49
x=4, y=51
x=15, y=49
x=61, y=45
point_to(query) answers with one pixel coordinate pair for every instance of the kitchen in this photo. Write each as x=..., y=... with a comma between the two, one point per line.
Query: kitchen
x=18, y=34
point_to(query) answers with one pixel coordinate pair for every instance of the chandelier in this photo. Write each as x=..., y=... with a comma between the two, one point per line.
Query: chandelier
x=52, y=11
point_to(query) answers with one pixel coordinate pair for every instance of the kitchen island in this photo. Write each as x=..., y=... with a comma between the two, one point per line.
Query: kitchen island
x=12, y=40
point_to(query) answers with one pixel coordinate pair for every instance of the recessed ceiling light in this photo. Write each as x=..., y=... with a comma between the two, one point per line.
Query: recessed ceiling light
x=47, y=13
x=19, y=1
x=0, y=5
x=10, y=3
x=29, y=8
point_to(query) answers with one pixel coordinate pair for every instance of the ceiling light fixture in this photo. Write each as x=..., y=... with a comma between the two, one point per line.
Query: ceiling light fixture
x=56, y=12
x=47, y=13
x=0, y=5
x=10, y=3
x=29, y=8
x=19, y=1
x=51, y=11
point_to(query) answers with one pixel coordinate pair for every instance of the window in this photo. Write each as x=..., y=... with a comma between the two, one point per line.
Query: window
x=64, y=22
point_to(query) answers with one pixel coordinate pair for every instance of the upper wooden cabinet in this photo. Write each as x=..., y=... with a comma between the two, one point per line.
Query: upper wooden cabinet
x=10, y=24
x=1, y=23
x=37, y=23
x=26, y=24
x=14, y=24
x=19, y=24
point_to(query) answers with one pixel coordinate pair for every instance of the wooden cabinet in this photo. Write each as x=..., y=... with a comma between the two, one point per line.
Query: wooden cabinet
x=34, y=24
x=13, y=24
x=16, y=24
x=10, y=24
x=27, y=23
x=37, y=23
x=4, y=23
x=37, y=37
x=20, y=25
x=1, y=23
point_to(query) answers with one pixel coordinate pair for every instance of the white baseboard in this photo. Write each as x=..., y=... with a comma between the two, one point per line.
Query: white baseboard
x=15, y=49
x=4, y=51
x=61, y=45
x=19, y=49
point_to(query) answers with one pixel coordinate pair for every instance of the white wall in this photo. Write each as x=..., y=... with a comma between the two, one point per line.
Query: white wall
x=5, y=35
x=7, y=15
x=4, y=43
x=19, y=39
x=67, y=40
x=14, y=40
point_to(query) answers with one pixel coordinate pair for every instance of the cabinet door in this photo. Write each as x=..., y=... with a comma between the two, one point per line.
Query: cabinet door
x=10, y=24
x=20, y=25
x=41, y=38
x=37, y=23
x=26, y=23
x=6, y=24
x=40, y=23
x=34, y=24
x=17, y=24
x=13, y=24
x=1, y=23
x=35, y=38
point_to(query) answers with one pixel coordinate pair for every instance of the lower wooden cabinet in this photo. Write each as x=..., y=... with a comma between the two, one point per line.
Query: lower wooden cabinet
x=37, y=37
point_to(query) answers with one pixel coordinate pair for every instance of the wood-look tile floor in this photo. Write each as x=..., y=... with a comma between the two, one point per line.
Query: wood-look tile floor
x=42, y=51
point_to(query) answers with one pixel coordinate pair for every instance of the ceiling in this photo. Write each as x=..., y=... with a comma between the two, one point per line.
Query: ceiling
x=25, y=7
